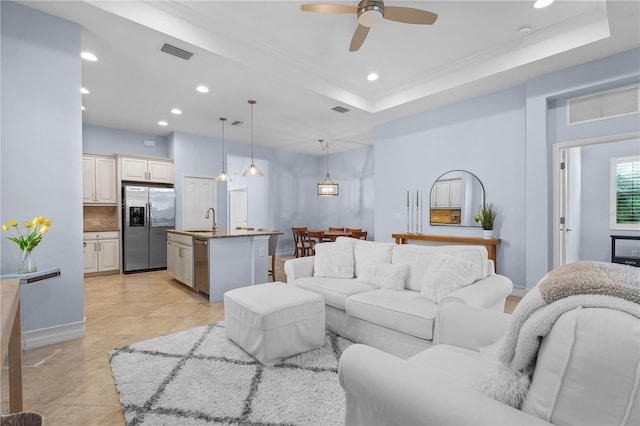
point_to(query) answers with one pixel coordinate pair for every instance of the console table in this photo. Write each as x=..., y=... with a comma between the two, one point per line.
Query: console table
x=490, y=244
x=11, y=339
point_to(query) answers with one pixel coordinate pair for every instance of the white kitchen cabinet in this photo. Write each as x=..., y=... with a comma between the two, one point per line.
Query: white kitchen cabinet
x=448, y=194
x=180, y=257
x=101, y=251
x=138, y=169
x=98, y=179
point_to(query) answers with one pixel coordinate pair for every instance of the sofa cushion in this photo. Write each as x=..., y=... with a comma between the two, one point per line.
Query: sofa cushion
x=368, y=253
x=334, y=290
x=405, y=311
x=419, y=258
x=384, y=275
x=333, y=260
x=587, y=370
x=445, y=275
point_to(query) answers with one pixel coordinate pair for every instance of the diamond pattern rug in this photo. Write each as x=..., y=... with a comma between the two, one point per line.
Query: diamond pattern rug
x=199, y=377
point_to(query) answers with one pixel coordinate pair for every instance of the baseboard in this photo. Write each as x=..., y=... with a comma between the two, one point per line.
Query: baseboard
x=47, y=336
x=519, y=291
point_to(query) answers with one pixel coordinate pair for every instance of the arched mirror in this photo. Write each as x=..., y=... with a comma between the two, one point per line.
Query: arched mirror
x=455, y=197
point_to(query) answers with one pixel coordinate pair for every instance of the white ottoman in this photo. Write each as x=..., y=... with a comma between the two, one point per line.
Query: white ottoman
x=274, y=321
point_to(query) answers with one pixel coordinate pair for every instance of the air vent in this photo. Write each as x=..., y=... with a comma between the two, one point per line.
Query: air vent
x=340, y=109
x=237, y=123
x=612, y=103
x=176, y=51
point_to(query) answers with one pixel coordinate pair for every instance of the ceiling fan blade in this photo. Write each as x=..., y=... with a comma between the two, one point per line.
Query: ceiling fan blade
x=328, y=8
x=409, y=15
x=358, y=38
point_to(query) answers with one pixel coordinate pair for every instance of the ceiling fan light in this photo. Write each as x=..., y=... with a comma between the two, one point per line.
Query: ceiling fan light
x=370, y=17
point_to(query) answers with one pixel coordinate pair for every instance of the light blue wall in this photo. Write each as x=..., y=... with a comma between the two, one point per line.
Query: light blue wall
x=596, y=233
x=590, y=77
x=108, y=141
x=41, y=152
x=504, y=138
x=484, y=136
x=354, y=171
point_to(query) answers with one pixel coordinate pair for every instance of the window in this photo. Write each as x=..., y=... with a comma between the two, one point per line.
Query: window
x=625, y=192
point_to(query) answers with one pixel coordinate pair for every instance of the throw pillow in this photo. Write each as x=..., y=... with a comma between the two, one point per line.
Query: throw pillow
x=366, y=253
x=333, y=260
x=385, y=275
x=445, y=275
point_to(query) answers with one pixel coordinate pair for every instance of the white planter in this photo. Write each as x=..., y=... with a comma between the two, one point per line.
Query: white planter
x=487, y=234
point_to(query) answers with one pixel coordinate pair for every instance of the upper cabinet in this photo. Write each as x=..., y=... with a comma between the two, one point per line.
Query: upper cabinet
x=138, y=169
x=447, y=194
x=98, y=179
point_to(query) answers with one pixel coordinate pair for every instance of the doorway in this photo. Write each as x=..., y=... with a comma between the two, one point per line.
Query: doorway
x=238, y=208
x=568, y=189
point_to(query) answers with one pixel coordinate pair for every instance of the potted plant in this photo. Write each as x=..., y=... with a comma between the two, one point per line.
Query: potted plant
x=486, y=218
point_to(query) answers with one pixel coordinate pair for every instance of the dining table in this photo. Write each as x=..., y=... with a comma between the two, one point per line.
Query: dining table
x=322, y=235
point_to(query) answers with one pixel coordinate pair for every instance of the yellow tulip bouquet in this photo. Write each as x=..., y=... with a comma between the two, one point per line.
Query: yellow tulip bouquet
x=35, y=229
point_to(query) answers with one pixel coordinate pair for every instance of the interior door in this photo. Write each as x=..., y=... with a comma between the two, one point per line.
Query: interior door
x=568, y=222
x=238, y=208
x=199, y=195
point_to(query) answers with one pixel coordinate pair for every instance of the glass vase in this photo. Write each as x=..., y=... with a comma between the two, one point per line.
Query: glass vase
x=27, y=262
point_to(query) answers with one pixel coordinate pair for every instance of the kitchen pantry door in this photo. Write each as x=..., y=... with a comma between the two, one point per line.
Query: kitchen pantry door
x=238, y=208
x=199, y=195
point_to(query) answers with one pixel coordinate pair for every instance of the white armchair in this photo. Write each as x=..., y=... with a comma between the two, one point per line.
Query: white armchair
x=587, y=373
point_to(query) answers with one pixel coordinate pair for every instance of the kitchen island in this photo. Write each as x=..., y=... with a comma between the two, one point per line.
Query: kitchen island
x=214, y=262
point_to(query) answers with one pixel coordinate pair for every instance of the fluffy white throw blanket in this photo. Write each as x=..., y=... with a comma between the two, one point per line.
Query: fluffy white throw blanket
x=505, y=367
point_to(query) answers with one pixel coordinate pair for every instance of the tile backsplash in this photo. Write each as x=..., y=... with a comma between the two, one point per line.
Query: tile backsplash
x=99, y=218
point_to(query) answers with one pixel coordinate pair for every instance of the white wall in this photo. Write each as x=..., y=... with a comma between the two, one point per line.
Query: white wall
x=41, y=151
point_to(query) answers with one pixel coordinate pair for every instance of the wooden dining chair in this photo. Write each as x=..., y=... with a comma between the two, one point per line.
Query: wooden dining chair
x=304, y=246
x=359, y=234
x=354, y=232
x=331, y=228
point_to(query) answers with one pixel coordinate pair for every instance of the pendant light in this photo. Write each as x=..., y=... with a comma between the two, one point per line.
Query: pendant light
x=253, y=170
x=327, y=188
x=223, y=176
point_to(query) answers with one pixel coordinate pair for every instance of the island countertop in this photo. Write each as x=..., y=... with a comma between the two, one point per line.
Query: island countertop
x=226, y=233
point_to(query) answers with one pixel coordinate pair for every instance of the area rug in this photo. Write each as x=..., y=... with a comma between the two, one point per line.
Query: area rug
x=199, y=377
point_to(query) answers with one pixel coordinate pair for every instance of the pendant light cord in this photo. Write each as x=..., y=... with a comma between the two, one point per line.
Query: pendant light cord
x=252, y=102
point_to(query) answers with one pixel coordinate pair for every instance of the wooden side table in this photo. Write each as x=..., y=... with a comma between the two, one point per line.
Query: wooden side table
x=11, y=339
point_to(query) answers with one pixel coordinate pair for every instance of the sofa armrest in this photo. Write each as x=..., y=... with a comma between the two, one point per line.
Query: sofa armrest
x=382, y=389
x=485, y=293
x=469, y=327
x=298, y=267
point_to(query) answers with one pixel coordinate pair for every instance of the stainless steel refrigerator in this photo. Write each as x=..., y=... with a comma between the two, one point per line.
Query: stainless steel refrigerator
x=147, y=213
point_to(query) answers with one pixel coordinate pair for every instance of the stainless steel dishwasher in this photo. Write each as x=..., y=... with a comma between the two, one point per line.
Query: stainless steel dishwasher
x=201, y=264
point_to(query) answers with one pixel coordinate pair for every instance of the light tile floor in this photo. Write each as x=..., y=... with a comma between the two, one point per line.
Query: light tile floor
x=71, y=383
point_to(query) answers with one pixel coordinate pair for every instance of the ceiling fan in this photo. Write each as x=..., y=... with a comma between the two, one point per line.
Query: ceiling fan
x=370, y=13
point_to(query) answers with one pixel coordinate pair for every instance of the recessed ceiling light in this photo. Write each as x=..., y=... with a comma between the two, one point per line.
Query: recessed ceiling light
x=82, y=107
x=89, y=56
x=372, y=77
x=539, y=4
x=202, y=89
x=163, y=123
x=176, y=111
x=84, y=91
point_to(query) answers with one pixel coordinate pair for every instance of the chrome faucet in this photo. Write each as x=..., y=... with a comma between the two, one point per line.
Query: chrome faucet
x=213, y=219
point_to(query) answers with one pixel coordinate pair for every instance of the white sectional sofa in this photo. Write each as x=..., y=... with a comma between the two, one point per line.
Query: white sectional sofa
x=388, y=296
